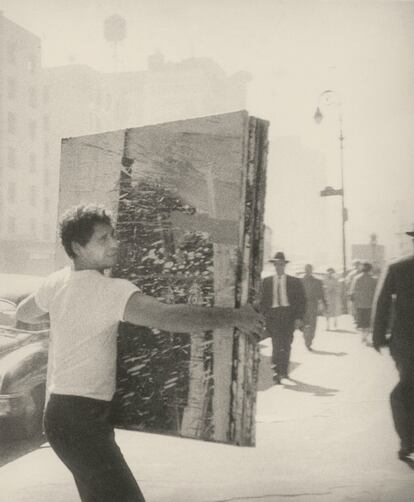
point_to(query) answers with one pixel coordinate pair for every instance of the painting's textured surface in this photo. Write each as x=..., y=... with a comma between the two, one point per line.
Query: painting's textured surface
x=189, y=216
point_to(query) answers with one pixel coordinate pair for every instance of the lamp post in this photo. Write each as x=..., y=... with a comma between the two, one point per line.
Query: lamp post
x=330, y=98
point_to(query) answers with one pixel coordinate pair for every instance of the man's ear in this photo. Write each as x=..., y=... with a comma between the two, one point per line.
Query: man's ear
x=76, y=248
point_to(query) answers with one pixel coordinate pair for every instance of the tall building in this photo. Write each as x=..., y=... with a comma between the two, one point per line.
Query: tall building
x=22, y=121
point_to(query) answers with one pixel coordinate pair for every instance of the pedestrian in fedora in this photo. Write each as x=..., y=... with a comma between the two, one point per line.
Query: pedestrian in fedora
x=283, y=304
x=394, y=313
x=315, y=297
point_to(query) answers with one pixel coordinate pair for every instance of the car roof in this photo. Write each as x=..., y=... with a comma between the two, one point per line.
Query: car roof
x=15, y=287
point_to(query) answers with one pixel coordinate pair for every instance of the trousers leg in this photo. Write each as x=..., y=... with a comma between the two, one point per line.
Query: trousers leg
x=282, y=365
x=79, y=432
x=282, y=338
x=402, y=404
x=401, y=414
x=309, y=329
x=83, y=491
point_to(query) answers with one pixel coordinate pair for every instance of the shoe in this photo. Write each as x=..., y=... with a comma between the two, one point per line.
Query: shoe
x=276, y=379
x=406, y=454
x=285, y=381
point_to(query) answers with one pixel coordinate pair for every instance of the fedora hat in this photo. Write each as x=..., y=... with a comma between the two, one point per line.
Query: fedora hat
x=279, y=256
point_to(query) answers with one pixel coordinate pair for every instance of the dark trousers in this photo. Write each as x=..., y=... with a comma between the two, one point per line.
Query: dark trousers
x=402, y=405
x=80, y=433
x=281, y=328
x=309, y=329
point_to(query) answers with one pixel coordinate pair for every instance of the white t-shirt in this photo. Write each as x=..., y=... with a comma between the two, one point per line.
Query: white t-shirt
x=85, y=308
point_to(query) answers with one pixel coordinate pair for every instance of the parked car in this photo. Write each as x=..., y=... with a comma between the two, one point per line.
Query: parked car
x=23, y=360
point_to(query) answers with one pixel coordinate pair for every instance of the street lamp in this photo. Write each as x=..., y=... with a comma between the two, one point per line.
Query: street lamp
x=330, y=98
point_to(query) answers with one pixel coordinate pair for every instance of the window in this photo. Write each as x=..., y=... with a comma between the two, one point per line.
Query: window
x=108, y=101
x=32, y=97
x=46, y=94
x=33, y=227
x=11, y=193
x=31, y=64
x=11, y=225
x=11, y=88
x=47, y=231
x=32, y=129
x=11, y=52
x=33, y=196
x=32, y=163
x=11, y=122
x=11, y=158
x=46, y=205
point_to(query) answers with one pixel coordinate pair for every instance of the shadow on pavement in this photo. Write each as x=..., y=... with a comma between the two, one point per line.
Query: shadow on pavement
x=265, y=379
x=316, y=390
x=326, y=353
x=12, y=448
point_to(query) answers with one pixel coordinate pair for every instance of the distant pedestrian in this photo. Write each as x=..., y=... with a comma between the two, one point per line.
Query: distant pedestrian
x=283, y=304
x=356, y=270
x=362, y=295
x=314, y=298
x=395, y=313
x=332, y=289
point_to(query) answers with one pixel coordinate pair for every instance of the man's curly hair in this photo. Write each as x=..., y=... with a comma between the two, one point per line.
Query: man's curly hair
x=78, y=223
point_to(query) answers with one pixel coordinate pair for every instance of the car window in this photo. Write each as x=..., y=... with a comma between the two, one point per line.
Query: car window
x=6, y=305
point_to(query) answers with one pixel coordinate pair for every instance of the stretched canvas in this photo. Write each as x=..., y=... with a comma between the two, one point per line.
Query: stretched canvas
x=188, y=202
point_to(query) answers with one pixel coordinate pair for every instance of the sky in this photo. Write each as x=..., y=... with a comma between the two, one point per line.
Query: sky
x=294, y=50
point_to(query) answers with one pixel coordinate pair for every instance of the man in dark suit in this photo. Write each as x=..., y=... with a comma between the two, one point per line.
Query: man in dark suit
x=395, y=312
x=315, y=296
x=283, y=305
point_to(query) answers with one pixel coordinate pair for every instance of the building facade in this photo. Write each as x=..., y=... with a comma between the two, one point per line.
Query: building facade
x=40, y=106
x=23, y=228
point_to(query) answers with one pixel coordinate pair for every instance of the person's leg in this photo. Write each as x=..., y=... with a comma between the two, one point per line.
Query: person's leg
x=307, y=335
x=277, y=343
x=401, y=416
x=288, y=339
x=402, y=405
x=80, y=434
x=285, y=342
x=312, y=329
x=83, y=491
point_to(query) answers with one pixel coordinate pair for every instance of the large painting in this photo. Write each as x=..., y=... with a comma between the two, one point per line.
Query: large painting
x=188, y=200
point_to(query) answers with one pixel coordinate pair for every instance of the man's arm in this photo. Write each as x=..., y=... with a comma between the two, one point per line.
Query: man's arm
x=144, y=310
x=28, y=311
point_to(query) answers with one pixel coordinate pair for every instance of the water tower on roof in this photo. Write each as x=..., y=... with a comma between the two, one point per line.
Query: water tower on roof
x=114, y=33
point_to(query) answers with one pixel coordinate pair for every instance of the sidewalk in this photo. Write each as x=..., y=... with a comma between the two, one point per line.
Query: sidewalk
x=327, y=436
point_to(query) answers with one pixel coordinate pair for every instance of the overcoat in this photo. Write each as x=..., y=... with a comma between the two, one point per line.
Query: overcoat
x=394, y=310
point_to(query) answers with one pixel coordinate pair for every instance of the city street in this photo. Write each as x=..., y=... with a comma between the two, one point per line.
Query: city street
x=326, y=435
